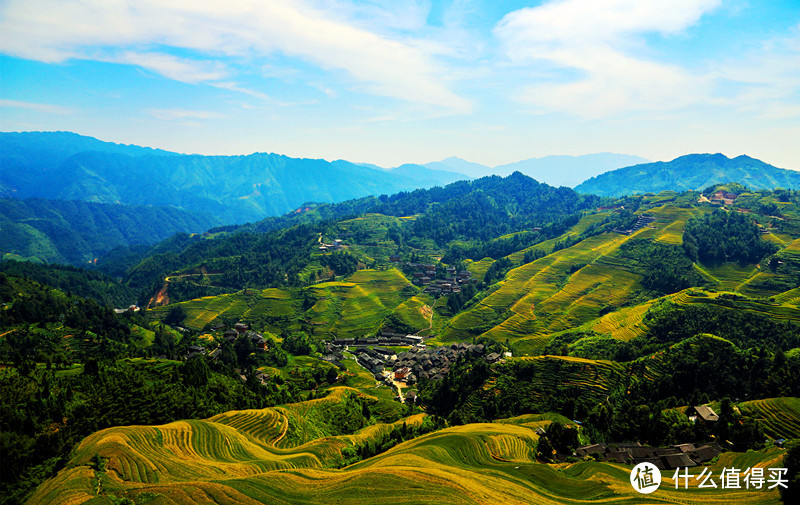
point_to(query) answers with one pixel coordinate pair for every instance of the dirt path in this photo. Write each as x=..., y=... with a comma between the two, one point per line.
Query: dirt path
x=427, y=312
x=283, y=432
x=399, y=391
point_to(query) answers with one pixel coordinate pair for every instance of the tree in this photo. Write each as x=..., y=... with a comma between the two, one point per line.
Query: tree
x=176, y=315
x=791, y=462
x=545, y=449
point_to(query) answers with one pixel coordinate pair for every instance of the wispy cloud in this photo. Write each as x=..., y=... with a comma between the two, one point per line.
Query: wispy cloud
x=173, y=114
x=587, y=51
x=767, y=79
x=171, y=67
x=379, y=63
x=39, y=107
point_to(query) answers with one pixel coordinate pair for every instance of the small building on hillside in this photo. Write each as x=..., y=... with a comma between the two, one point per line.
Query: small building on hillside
x=702, y=412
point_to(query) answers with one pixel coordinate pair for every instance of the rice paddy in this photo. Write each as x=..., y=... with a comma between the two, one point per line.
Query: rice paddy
x=563, y=290
x=780, y=417
x=234, y=458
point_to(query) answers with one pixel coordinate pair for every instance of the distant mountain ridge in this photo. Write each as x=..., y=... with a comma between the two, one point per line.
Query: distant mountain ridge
x=237, y=189
x=559, y=170
x=691, y=172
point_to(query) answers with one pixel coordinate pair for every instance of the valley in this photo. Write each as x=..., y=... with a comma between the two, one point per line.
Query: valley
x=521, y=321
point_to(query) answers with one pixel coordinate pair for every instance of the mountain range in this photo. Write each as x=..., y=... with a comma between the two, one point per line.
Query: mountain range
x=236, y=189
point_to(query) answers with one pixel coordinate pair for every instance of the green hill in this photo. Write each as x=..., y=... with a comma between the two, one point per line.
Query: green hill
x=77, y=233
x=691, y=172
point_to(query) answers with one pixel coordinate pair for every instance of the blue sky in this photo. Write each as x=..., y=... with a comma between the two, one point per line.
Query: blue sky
x=390, y=82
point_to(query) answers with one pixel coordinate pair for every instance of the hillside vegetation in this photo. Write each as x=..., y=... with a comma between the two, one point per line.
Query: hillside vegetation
x=600, y=319
x=691, y=172
x=77, y=233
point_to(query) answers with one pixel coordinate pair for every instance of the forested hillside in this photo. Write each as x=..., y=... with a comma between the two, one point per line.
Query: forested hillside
x=77, y=233
x=691, y=172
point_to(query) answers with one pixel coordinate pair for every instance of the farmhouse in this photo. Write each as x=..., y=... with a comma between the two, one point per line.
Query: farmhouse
x=703, y=412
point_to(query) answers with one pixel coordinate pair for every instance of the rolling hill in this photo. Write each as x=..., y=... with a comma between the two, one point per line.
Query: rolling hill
x=691, y=172
x=608, y=319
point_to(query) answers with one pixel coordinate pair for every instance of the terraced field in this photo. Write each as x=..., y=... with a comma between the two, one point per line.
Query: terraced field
x=231, y=459
x=243, y=305
x=563, y=290
x=671, y=221
x=417, y=312
x=595, y=378
x=623, y=324
x=358, y=306
x=775, y=310
x=780, y=417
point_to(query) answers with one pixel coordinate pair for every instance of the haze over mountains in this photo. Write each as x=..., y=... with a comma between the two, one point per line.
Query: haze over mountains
x=559, y=170
x=190, y=193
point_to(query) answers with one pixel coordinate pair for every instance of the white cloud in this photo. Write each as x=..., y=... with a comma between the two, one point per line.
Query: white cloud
x=598, y=39
x=245, y=30
x=178, y=69
x=40, y=107
x=232, y=86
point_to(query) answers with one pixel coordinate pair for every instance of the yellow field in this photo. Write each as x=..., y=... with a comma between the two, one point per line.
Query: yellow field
x=543, y=297
x=234, y=459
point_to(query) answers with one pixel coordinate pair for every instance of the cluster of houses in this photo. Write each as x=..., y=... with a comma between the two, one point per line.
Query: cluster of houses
x=644, y=220
x=335, y=246
x=422, y=362
x=425, y=275
x=239, y=331
x=664, y=458
x=419, y=362
x=723, y=197
x=387, y=336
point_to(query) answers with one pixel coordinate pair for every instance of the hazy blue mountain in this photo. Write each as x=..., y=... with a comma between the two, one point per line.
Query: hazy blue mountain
x=428, y=177
x=24, y=155
x=236, y=189
x=459, y=166
x=569, y=170
x=75, y=232
x=690, y=172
